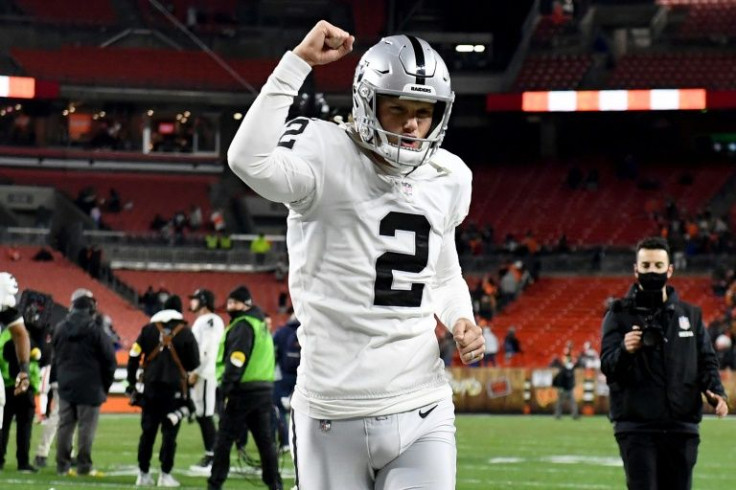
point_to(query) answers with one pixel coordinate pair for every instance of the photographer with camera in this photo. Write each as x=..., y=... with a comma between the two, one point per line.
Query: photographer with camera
x=658, y=360
x=169, y=352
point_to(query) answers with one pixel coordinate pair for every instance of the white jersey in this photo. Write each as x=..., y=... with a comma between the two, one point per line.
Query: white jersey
x=372, y=256
x=208, y=330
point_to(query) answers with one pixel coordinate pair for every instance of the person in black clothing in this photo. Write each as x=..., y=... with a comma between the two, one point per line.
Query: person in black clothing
x=12, y=319
x=21, y=407
x=658, y=360
x=288, y=356
x=564, y=381
x=245, y=373
x=169, y=352
x=84, y=360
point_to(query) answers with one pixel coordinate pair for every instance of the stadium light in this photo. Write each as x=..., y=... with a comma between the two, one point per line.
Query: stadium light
x=464, y=48
x=238, y=116
x=149, y=113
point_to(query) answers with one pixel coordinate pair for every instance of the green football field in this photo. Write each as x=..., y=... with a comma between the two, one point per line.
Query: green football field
x=495, y=452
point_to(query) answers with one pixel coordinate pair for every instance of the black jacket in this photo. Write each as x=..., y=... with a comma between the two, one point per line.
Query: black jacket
x=84, y=359
x=162, y=370
x=659, y=388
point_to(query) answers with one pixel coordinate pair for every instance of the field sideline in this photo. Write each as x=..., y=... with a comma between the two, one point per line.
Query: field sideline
x=495, y=452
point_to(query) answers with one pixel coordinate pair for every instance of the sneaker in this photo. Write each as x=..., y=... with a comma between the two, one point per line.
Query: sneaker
x=39, y=462
x=144, y=480
x=166, y=480
x=204, y=464
x=27, y=468
x=93, y=473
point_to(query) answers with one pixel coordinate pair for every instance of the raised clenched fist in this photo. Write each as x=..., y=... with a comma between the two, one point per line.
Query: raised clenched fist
x=324, y=44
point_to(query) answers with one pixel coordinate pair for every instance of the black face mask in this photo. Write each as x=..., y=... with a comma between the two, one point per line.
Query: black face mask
x=652, y=281
x=235, y=313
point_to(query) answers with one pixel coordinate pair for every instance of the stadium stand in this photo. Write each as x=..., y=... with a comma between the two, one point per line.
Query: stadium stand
x=558, y=309
x=709, y=20
x=549, y=28
x=150, y=194
x=553, y=72
x=264, y=288
x=60, y=278
x=682, y=70
x=518, y=198
x=161, y=68
x=70, y=12
x=208, y=13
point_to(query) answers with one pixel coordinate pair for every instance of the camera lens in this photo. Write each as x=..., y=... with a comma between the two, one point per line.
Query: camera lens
x=651, y=337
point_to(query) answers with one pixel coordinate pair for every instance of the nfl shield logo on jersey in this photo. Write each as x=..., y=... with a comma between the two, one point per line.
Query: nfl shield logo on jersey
x=684, y=322
x=407, y=189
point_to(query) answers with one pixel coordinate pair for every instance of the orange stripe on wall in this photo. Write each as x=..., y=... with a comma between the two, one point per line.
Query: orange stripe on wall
x=535, y=102
x=639, y=100
x=21, y=87
x=692, y=98
x=588, y=100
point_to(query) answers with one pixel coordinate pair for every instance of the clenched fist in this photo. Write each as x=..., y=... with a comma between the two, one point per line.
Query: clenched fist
x=324, y=44
x=469, y=340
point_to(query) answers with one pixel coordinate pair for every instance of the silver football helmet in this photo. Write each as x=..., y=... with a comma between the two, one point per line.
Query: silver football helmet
x=406, y=67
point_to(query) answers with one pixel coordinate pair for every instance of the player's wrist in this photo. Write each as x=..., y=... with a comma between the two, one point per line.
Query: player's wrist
x=23, y=367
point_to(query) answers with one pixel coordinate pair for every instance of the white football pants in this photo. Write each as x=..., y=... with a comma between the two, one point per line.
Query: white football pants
x=410, y=450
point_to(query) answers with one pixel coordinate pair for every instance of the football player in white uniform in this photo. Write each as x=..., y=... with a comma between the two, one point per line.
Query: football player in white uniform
x=207, y=329
x=373, y=208
x=12, y=319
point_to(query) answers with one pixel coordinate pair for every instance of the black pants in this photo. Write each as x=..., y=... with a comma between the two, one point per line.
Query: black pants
x=254, y=410
x=658, y=461
x=158, y=403
x=283, y=388
x=22, y=408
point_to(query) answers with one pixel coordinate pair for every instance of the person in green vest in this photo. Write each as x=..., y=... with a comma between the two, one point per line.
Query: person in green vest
x=211, y=241
x=259, y=248
x=245, y=373
x=21, y=407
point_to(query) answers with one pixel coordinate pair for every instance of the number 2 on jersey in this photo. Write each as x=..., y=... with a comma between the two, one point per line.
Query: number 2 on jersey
x=387, y=263
x=293, y=128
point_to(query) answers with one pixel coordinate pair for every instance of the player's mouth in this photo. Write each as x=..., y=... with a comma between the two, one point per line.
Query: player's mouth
x=410, y=144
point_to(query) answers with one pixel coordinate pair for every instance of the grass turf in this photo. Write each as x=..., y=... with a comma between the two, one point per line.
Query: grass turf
x=494, y=452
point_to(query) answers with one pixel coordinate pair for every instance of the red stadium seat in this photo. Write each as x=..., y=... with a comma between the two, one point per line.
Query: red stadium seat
x=150, y=194
x=60, y=278
x=533, y=197
x=81, y=12
x=554, y=311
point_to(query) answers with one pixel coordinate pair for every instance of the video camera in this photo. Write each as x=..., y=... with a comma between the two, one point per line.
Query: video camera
x=646, y=305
